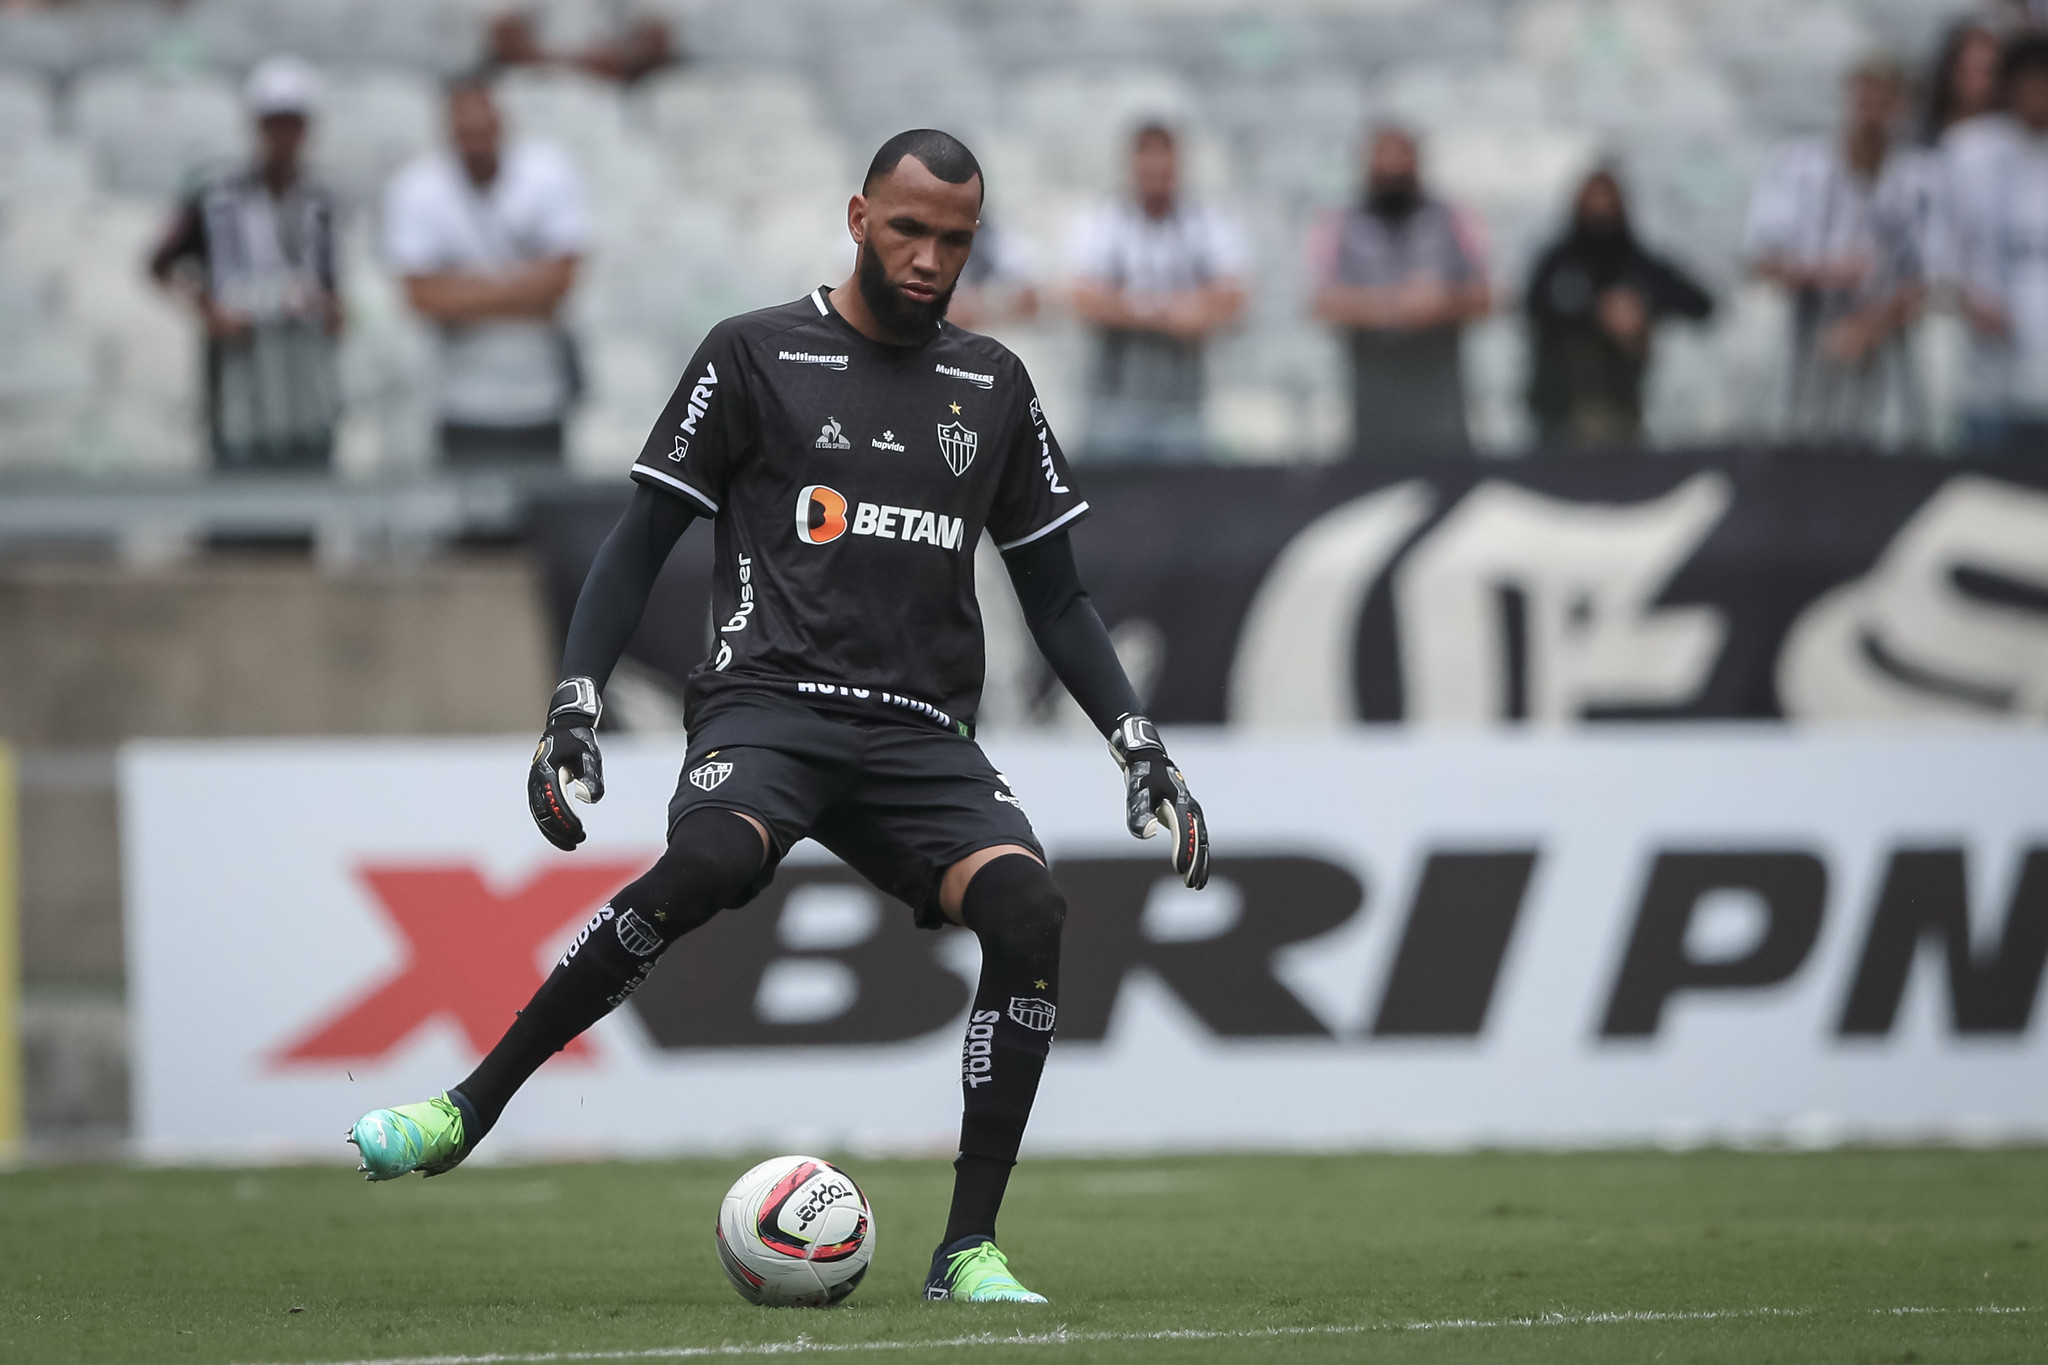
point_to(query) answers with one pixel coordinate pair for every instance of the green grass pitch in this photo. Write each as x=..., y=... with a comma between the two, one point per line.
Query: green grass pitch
x=1713, y=1256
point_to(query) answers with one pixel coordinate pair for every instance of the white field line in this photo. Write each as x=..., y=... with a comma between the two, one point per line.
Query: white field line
x=803, y=1345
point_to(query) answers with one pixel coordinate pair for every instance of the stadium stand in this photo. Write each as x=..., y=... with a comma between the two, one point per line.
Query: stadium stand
x=717, y=183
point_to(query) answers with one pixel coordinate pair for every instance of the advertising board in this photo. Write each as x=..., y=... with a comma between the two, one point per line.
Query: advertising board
x=1629, y=935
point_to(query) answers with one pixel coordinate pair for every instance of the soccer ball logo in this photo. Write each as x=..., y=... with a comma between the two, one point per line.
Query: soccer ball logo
x=795, y=1232
x=957, y=444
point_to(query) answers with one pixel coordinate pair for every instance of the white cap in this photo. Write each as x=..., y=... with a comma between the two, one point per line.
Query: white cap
x=282, y=85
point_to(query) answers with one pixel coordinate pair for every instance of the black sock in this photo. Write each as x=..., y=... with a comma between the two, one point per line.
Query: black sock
x=1016, y=911
x=978, y=1185
x=710, y=860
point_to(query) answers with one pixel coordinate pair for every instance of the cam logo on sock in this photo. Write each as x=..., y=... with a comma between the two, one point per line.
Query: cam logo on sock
x=636, y=936
x=706, y=776
x=1032, y=1013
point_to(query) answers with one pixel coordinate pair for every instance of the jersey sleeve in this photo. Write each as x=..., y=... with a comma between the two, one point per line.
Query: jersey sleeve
x=703, y=433
x=1036, y=496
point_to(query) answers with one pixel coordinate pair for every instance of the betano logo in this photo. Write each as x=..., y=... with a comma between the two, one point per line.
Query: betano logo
x=820, y=514
x=821, y=519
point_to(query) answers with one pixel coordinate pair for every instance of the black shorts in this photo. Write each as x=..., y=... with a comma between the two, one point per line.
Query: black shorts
x=898, y=801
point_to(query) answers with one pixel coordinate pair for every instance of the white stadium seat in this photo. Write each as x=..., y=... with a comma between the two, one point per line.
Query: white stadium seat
x=150, y=134
x=24, y=108
x=372, y=123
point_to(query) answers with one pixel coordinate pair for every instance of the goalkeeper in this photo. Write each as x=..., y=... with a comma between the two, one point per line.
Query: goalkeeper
x=849, y=448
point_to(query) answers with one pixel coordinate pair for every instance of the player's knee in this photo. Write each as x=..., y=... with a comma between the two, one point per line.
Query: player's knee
x=1015, y=908
x=711, y=859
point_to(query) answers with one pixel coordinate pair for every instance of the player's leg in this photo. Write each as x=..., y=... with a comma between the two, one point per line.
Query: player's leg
x=933, y=823
x=738, y=809
x=1008, y=899
x=713, y=859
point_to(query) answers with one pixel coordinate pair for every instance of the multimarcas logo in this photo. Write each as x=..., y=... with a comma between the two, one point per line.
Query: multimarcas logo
x=473, y=953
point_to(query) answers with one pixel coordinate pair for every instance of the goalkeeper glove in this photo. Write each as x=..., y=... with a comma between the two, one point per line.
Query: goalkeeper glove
x=1156, y=797
x=566, y=761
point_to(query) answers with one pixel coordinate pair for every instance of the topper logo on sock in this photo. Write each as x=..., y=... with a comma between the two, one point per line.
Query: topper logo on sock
x=708, y=775
x=1034, y=1014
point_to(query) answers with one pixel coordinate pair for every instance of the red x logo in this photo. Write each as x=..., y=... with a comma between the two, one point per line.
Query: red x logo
x=471, y=955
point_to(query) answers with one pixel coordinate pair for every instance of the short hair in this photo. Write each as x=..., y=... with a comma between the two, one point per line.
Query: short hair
x=1151, y=130
x=1881, y=66
x=944, y=155
x=2026, y=53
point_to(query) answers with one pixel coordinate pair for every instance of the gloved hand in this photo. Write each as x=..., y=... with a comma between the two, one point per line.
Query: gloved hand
x=566, y=761
x=1156, y=797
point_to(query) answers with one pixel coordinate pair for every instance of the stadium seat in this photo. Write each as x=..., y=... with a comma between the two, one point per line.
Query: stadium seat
x=1434, y=95
x=373, y=122
x=1081, y=120
x=1601, y=35
x=37, y=40
x=24, y=109
x=725, y=102
x=150, y=134
x=583, y=114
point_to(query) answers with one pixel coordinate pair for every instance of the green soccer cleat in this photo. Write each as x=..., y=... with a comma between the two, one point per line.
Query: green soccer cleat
x=426, y=1137
x=972, y=1270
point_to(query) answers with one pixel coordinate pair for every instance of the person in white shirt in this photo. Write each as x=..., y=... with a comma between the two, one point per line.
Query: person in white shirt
x=487, y=237
x=1157, y=276
x=1844, y=226
x=1997, y=176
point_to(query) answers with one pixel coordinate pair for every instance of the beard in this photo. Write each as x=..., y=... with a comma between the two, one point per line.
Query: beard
x=893, y=312
x=1394, y=198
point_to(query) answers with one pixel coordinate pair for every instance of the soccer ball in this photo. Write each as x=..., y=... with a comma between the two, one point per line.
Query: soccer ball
x=795, y=1232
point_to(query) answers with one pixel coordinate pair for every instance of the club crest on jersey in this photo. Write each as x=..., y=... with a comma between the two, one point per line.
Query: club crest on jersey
x=1033, y=1013
x=957, y=444
x=705, y=776
x=830, y=437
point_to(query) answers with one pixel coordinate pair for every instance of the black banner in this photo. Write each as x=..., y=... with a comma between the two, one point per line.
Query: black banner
x=1739, y=584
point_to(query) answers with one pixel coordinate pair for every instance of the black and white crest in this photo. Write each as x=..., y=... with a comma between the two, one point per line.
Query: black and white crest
x=957, y=444
x=708, y=775
x=1033, y=1013
x=637, y=935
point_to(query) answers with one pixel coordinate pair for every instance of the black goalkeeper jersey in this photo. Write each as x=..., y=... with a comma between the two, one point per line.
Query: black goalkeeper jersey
x=851, y=482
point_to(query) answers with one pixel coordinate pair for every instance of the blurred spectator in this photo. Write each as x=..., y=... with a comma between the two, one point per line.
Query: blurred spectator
x=253, y=250
x=622, y=46
x=1964, y=84
x=996, y=285
x=488, y=239
x=1157, y=276
x=1997, y=176
x=1843, y=225
x=1595, y=298
x=1402, y=273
